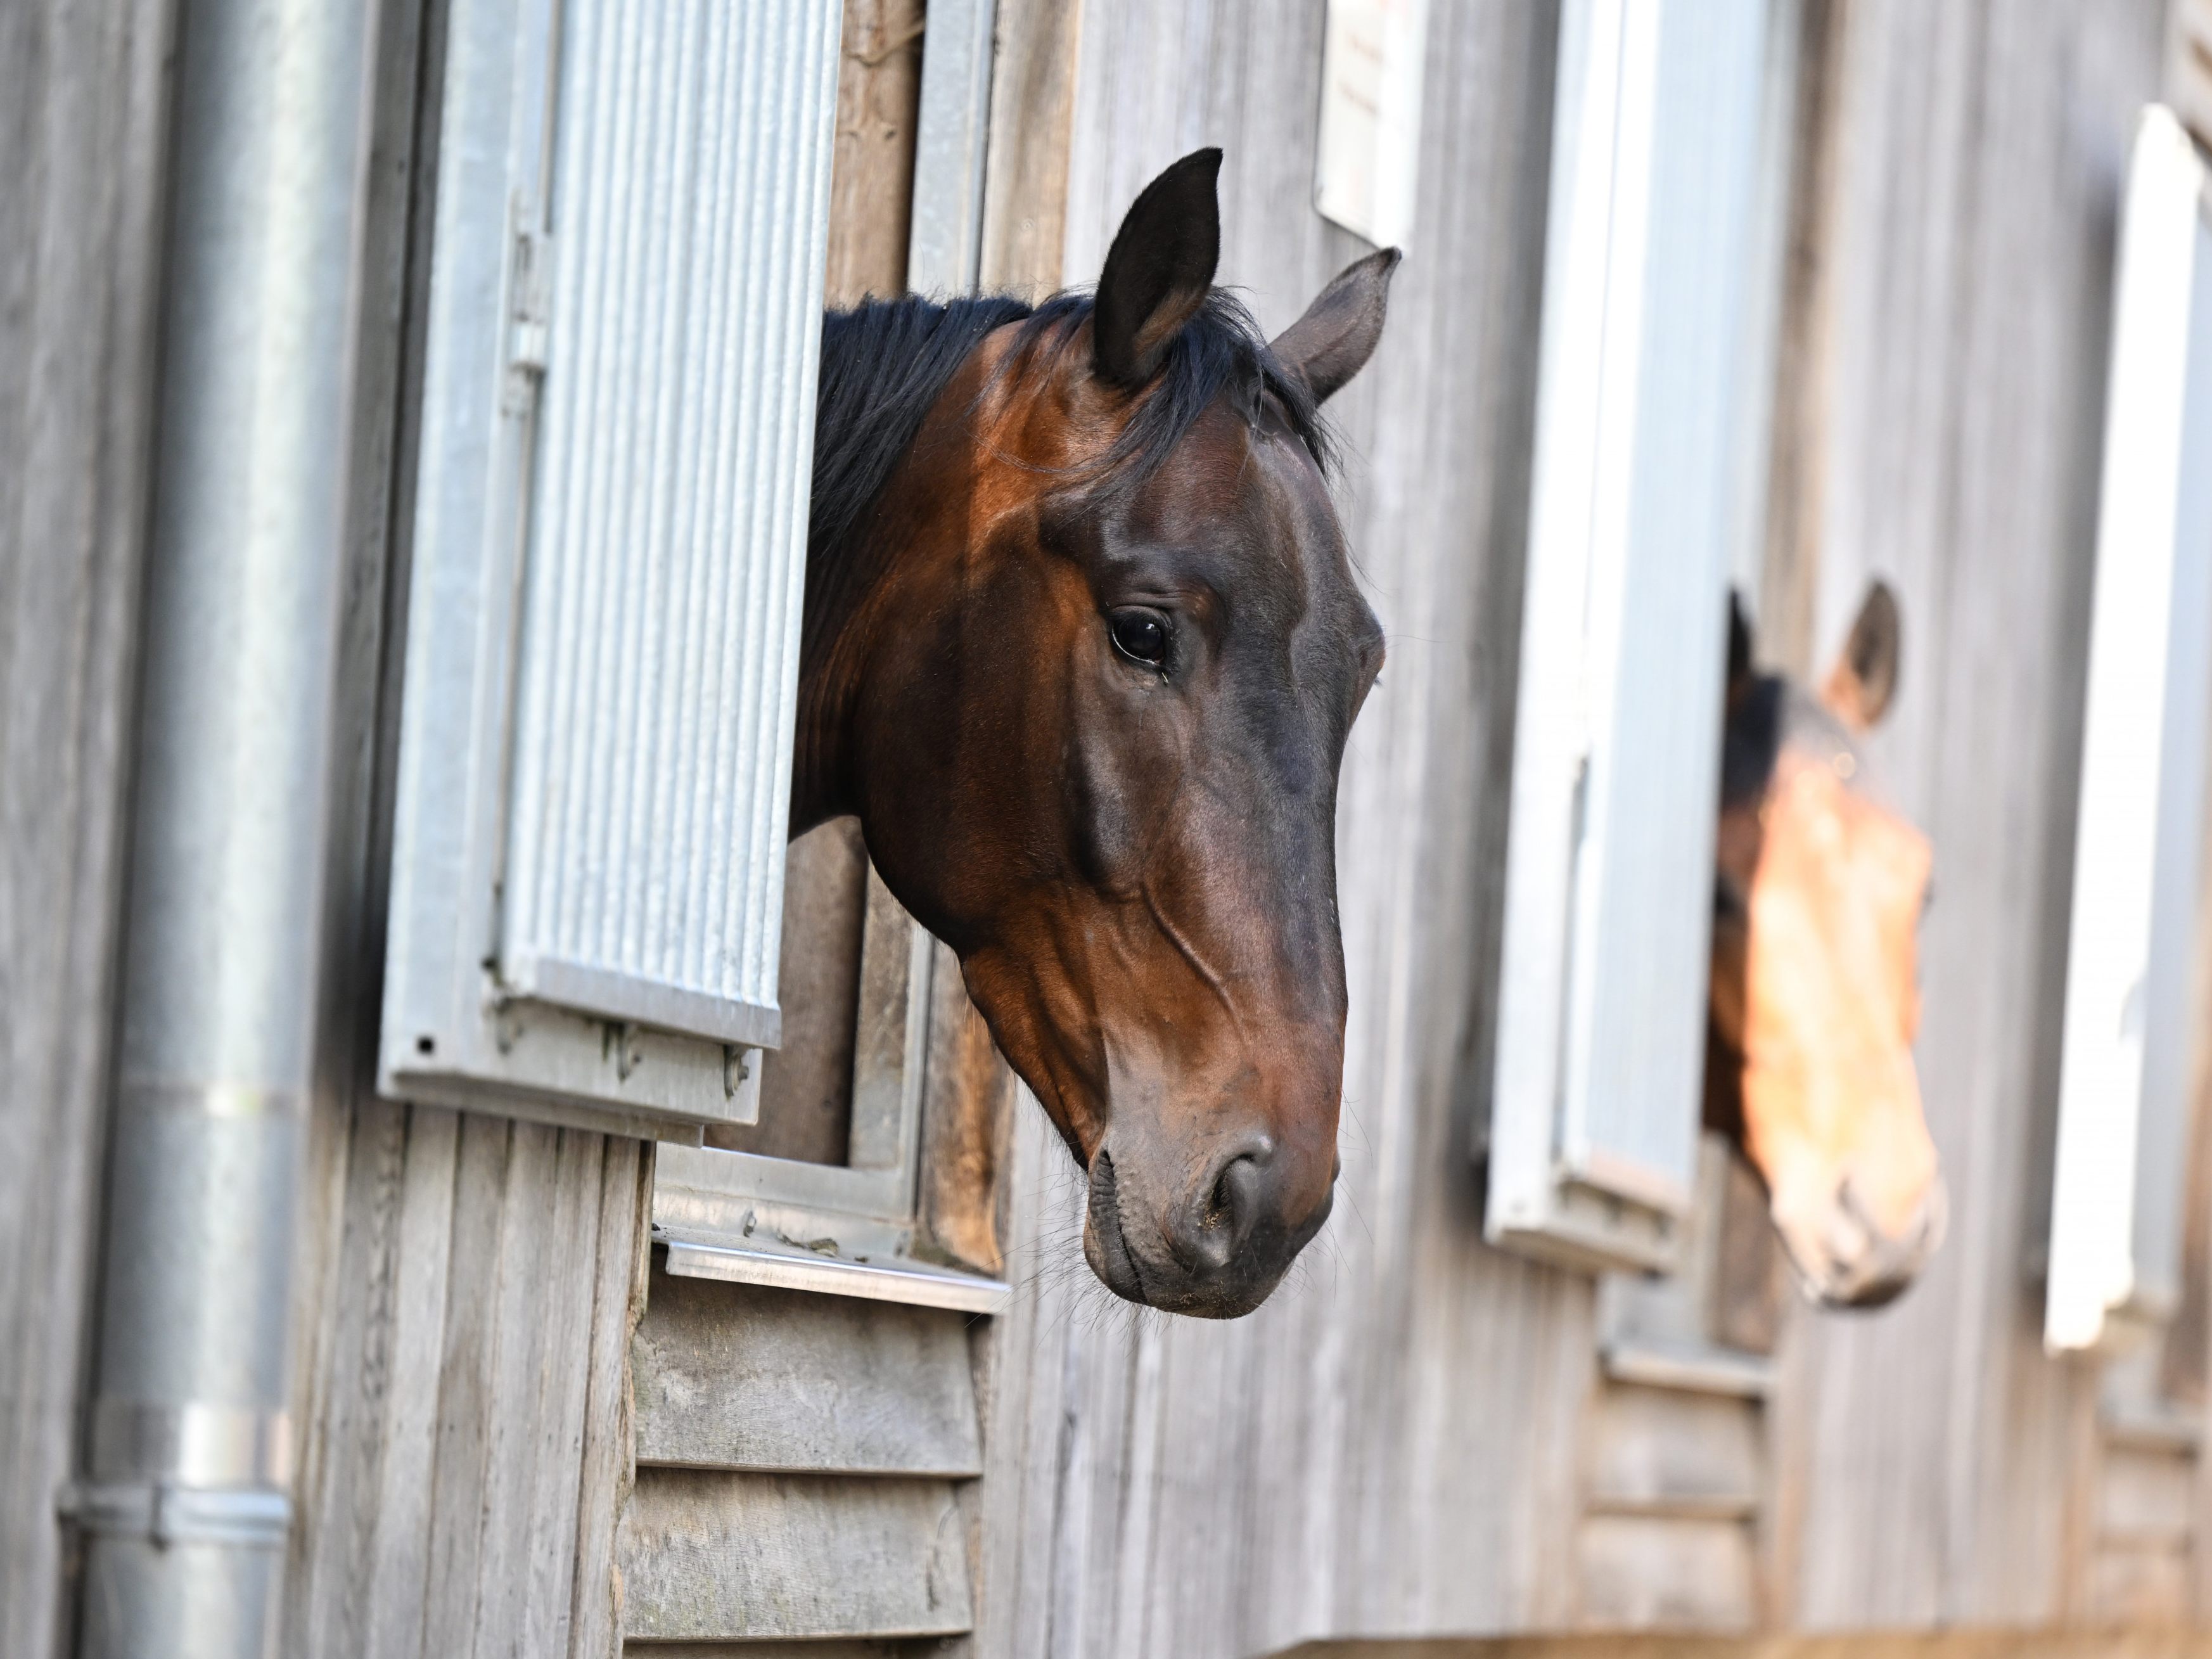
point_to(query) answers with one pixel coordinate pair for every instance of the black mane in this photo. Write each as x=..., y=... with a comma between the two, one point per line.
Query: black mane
x=1751, y=742
x=885, y=362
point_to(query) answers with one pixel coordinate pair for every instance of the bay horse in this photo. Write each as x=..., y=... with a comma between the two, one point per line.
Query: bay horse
x=1081, y=648
x=1818, y=888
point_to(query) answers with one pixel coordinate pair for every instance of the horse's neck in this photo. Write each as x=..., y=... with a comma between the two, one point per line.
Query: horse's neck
x=899, y=369
x=845, y=582
x=829, y=658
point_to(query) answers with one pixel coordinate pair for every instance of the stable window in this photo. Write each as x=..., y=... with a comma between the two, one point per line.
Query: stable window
x=826, y=1191
x=1656, y=322
x=2135, y=988
x=607, y=556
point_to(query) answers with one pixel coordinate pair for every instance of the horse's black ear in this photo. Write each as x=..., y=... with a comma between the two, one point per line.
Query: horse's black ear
x=1158, y=271
x=1862, y=685
x=1336, y=336
x=1739, y=657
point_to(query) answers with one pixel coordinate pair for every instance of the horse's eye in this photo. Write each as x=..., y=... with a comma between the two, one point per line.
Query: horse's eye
x=1140, y=636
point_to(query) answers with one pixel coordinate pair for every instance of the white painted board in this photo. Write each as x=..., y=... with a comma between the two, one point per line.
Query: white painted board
x=1373, y=58
x=1659, y=130
x=2115, y=1256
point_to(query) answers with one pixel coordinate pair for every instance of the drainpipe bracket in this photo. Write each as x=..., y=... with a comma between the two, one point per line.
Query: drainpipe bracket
x=165, y=1513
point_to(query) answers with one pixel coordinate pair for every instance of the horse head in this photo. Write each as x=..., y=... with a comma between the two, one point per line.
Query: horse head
x=1082, y=650
x=1820, y=887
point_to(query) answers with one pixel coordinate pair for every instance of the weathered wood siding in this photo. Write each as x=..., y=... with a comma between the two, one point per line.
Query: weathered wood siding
x=83, y=108
x=1937, y=1464
x=468, y=1285
x=1412, y=1438
x=466, y=1436
x=800, y=1464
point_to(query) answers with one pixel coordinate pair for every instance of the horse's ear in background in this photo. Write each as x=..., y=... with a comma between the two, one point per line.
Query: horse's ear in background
x=1739, y=657
x=1336, y=336
x=1158, y=271
x=1863, y=683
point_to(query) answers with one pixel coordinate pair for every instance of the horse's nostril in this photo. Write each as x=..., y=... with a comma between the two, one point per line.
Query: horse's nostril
x=1225, y=1215
x=1222, y=1202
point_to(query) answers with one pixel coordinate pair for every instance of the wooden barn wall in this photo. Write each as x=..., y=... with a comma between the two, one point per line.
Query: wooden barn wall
x=1396, y=1442
x=467, y=1284
x=1933, y=1465
x=83, y=103
x=1388, y=1444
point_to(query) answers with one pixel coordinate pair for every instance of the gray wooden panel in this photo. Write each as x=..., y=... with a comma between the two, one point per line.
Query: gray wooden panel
x=528, y=1502
x=1664, y=1449
x=745, y=1378
x=1967, y=251
x=463, y=1435
x=1391, y=1444
x=807, y=1083
x=83, y=127
x=2147, y=1585
x=709, y=1556
x=1640, y=1572
x=2146, y=1496
x=618, y=1302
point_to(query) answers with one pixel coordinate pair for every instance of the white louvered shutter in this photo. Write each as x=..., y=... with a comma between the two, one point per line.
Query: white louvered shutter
x=2133, y=998
x=1663, y=117
x=609, y=556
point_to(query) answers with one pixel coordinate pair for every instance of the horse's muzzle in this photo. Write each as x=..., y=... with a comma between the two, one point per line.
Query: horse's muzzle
x=1854, y=1263
x=1215, y=1249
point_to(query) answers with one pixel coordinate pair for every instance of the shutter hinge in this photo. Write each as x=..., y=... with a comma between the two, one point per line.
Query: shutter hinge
x=530, y=304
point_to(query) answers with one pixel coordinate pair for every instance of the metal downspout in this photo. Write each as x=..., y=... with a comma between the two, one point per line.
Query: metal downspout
x=184, y=1503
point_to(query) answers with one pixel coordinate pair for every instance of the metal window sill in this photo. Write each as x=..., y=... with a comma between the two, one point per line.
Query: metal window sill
x=749, y=1261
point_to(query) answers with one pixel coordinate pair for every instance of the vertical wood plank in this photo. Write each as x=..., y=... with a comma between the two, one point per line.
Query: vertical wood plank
x=1025, y=173
x=871, y=178
x=531, y=1254
x=968, y=1100
x=552, y=1518
x=619, y=1300
x=1976, y=185
x=389, y=1605
x=83, y=119
x=454, y=1520
x=1789, y=576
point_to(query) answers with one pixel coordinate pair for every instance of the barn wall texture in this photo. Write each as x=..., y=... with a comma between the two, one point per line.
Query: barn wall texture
x=83, y=105
x=1388, y=1444
x=1412, y=1438
x=1979, y=151
x=468, y=1285
x=1406, y=1439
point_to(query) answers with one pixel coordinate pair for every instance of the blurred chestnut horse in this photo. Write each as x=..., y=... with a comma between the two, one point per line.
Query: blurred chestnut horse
x=1815, y=1001
x=1081, y=648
